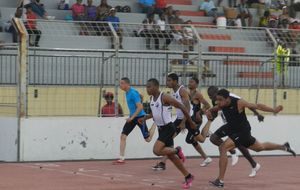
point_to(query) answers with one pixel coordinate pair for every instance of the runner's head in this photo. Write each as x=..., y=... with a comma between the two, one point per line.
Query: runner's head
x=152, y=86
x=223, y=98
x=172, y=80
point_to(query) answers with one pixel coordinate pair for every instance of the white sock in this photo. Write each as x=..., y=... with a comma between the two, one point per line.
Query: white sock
x=122, y=157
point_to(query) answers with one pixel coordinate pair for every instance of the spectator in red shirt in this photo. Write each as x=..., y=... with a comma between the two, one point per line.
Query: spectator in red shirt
x=160, y=6
x=108, y=110
x=31, y=27
x=78, y=11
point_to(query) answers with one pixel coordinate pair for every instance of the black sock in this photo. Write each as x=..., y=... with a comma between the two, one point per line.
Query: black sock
x=188, y=176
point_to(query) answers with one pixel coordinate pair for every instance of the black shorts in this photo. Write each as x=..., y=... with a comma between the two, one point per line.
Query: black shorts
x=128, y=127
x=190, y=136
x=176, y=124
x=223, y=131
x=242, y=138
x=166, y=134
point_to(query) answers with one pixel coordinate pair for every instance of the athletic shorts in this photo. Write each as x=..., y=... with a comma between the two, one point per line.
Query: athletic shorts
x=166, y=134
x=223, y=131
x=128, y=127
x=190, y=135
x=242, y=138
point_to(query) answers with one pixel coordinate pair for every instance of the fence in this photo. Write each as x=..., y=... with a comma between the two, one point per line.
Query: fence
x=72, y=81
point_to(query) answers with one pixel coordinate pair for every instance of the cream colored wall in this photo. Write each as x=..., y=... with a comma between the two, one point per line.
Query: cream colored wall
x=84, y=101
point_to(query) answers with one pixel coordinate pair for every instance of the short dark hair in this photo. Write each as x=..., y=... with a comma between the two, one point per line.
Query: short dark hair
x=212, y=89
x=154, y=81
x=173, y=76
x=126, y=80
x=224, y=93
x=194, y=78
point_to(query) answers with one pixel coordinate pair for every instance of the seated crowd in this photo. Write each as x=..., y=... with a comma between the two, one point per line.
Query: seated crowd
x=168, y=26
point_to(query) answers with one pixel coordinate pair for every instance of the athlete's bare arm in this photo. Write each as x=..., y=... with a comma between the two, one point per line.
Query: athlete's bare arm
x=166, y=99
x=202, y=100
x=185, y=97
x=242, y=104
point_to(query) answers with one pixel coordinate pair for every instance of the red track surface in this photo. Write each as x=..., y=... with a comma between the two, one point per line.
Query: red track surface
x=277, y=173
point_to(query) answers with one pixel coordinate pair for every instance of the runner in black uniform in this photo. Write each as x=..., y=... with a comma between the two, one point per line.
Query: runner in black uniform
x=215, y=138
x=239, y=129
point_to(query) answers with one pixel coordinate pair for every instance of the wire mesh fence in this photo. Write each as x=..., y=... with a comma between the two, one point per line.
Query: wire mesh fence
x=8, y=80
x=80, y=64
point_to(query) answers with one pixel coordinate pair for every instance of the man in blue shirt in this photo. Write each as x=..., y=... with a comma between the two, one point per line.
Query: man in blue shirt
x=137, y=112
x=112, y=18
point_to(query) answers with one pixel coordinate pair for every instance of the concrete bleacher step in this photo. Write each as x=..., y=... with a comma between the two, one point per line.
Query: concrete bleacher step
x=192, y=13
x=243, y=62
x=206, y=36
x=226, y=49
x=179, y=2
x=264, y=75
x=186, y=7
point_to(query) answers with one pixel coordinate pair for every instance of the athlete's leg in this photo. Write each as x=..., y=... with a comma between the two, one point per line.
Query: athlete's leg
x=160, y=149
x=226, y=146
x=247, y=155
x=202, y=136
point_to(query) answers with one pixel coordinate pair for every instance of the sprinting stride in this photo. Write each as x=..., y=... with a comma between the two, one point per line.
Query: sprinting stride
x=160, y=105
x=240, y=129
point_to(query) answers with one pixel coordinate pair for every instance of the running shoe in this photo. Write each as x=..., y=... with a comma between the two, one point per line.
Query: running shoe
x=289, y=149
x=207, y=161
x=119, y=162
x=159, y=166
x=234, y=158
x=254, y=170
x=217, y=183
x=180, y=153
x=188, y=182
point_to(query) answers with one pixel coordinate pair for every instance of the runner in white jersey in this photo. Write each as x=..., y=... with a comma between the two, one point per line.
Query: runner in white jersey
x=216, y=137
x=161, y=114
x=181, y=95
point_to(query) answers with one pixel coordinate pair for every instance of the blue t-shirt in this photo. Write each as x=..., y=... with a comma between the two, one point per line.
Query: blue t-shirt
x=114, y=20
x=133, y=97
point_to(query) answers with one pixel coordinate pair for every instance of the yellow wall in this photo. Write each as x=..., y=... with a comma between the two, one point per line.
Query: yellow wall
x=84, y=101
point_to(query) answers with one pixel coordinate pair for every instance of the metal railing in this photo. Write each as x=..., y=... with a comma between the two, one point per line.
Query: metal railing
x=73, y=80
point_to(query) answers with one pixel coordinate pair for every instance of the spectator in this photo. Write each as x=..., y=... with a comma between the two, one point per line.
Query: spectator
x=148, y=30
x=184, y=61
x=188, y=35
x=91, y=15
x=147, y=6
x=282, y=62
x=78, y=11
x=103, y=10
x=31, y=27
x=176, y=27
x=210, y=9
x=163, y=32
x=112, y=18
x=160, y=6
x=169, y=14
x=36, y=7
x=283, y=16
x=264, y=21
x=90, y=11
x=108, y=110
x=63, y=5
x=257, y=4
x=244, y=13
x=10, y=28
